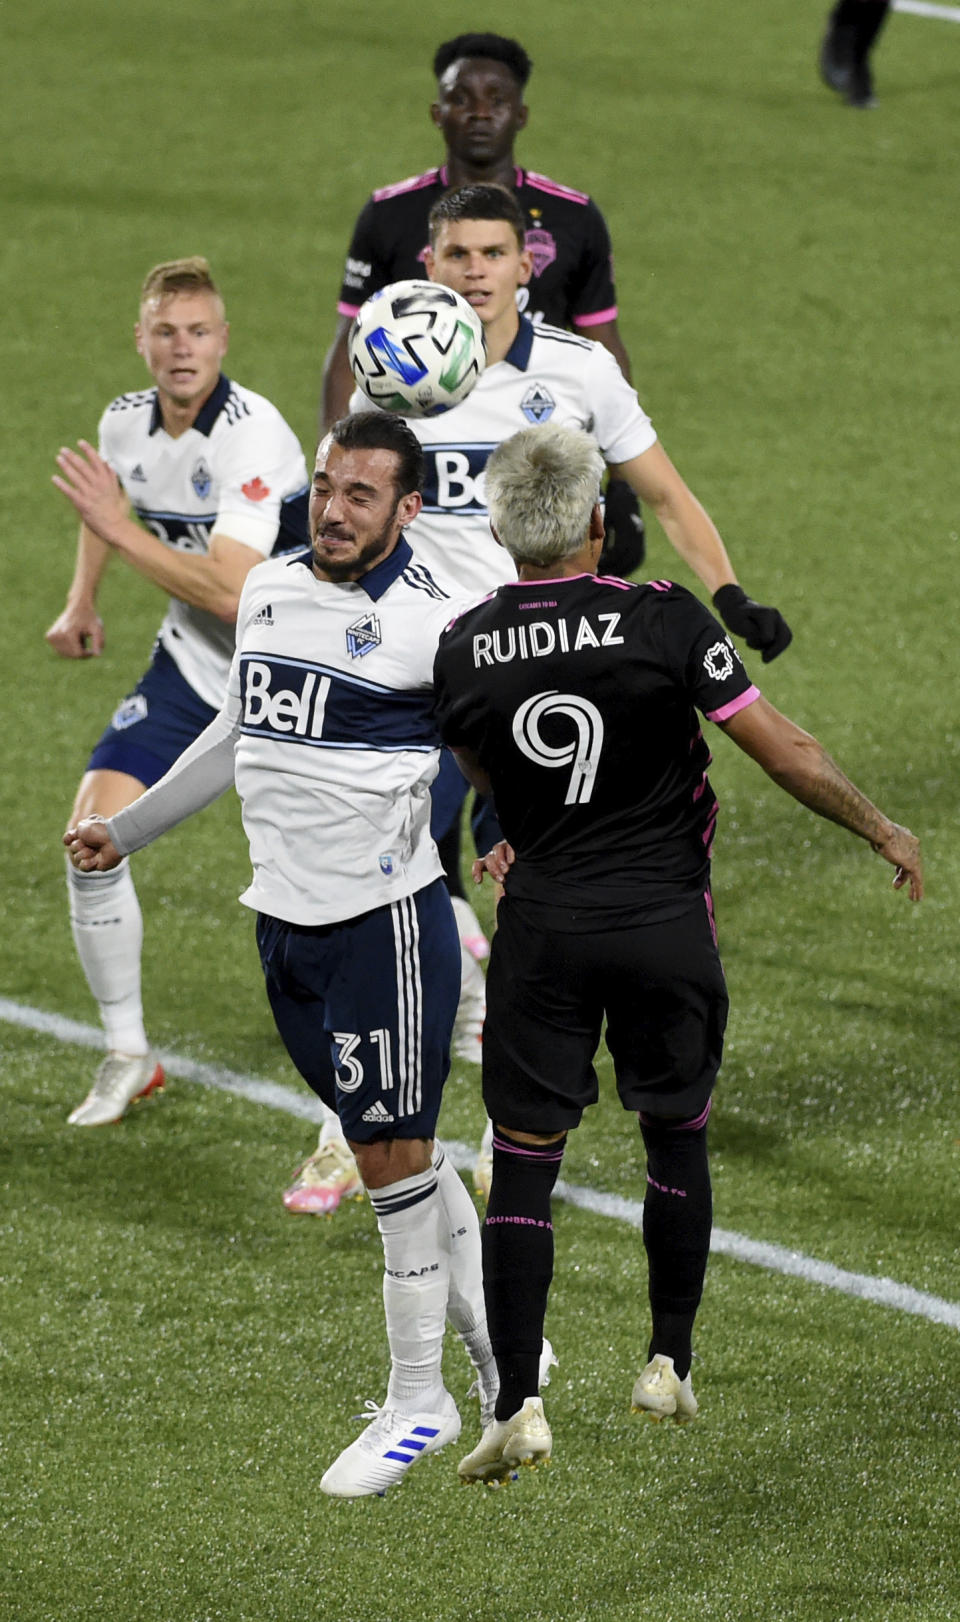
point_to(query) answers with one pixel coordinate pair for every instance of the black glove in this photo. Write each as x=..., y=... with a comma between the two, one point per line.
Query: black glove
x=626, y=540
x=762, y=628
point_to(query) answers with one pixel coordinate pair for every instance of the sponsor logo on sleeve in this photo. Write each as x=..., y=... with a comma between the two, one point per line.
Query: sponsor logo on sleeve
x=255, y=489
x=718, y=661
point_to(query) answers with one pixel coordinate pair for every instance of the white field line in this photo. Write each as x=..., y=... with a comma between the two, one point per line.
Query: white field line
x=886, y=1292
x=923, y=8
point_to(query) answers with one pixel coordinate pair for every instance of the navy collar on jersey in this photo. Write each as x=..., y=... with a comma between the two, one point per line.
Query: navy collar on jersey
x=519, y=352
x=206, y=416
x=380, y=578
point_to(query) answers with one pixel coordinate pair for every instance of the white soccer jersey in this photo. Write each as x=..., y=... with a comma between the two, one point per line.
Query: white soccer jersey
x=548, y=376
x=239, y=470
x=330, y=708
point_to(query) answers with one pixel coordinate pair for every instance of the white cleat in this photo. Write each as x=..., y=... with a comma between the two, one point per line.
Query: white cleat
x=507, y=1443
x=326, y=1177
x=120, y=1079
x=383, y=1453
x=661, y=1394
x=488, y=1394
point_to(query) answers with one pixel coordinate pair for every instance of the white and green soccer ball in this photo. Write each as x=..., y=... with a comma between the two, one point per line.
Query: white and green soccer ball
x=416, y=348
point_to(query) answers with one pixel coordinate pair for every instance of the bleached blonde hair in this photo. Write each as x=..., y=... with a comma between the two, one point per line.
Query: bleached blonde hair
x=541, y=487
x=191, y=275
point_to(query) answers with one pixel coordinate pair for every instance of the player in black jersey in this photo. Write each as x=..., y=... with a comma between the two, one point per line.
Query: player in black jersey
x=574, y=700
x=479, y=111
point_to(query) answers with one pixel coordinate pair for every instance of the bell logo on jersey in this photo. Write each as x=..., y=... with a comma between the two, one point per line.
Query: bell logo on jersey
x=582, y=751
x=202, y=480
x=454, y=478
x=292, y=710
x=363, y=635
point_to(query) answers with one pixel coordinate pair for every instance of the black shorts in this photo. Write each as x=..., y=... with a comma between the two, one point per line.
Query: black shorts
x=660, y=987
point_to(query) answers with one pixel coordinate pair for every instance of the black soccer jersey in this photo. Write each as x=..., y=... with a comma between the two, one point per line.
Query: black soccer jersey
x=579, y=698
x=572, y=282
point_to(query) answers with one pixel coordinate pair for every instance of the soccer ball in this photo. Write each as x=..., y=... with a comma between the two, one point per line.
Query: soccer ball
x=416, y=348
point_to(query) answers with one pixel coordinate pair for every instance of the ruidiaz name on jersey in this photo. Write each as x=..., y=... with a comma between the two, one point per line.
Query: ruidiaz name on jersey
x=548, y=375
x=582, y=692
x=539, y=639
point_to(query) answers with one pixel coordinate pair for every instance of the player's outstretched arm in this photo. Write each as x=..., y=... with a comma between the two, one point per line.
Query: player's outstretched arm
x=77, y=632
x=694, y=536
x=212, y=581
x=798, y=763
x=90, y=847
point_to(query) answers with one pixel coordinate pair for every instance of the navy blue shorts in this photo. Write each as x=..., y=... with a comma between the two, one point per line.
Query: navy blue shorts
x=660, y=987
x=366, y=1007
x=154, y=724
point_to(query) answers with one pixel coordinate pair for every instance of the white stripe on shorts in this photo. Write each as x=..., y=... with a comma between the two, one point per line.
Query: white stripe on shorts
x=406, y=935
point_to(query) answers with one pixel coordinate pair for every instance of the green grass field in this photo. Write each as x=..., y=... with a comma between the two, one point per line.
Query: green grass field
x=179, y=1358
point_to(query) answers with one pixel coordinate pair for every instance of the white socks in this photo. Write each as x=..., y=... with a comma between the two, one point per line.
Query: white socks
x=412, y=1222
x=465, y=1304
x=108, y=933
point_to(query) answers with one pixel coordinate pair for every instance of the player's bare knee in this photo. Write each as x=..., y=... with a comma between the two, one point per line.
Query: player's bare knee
x=104, y=793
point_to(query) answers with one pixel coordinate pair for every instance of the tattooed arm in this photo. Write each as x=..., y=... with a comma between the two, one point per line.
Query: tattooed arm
x=798, y=763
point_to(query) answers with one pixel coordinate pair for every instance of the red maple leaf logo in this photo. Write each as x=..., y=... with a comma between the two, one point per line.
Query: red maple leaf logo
x=255, y=489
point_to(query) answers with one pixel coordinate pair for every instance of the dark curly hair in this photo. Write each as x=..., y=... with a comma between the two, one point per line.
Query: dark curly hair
x=508, y=51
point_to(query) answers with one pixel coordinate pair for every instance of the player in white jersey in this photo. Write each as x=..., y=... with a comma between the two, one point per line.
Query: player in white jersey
x=328, y=729
x=195, y=481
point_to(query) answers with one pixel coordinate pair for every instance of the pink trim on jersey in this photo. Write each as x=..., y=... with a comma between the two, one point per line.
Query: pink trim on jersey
x=413, y=183
x=711, y=920
x=553, y=580
x=726, y=710
x=554, y=188
x=557, y=580
x=660, y=585
x=710, y=830
x=597, y=319
x=698, y=791
x=347, y=309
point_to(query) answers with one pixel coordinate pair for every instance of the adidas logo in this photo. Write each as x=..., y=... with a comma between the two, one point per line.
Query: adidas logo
x=410, y=1447
x=377, y=1114
x=137, y=474
x=264, y=616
